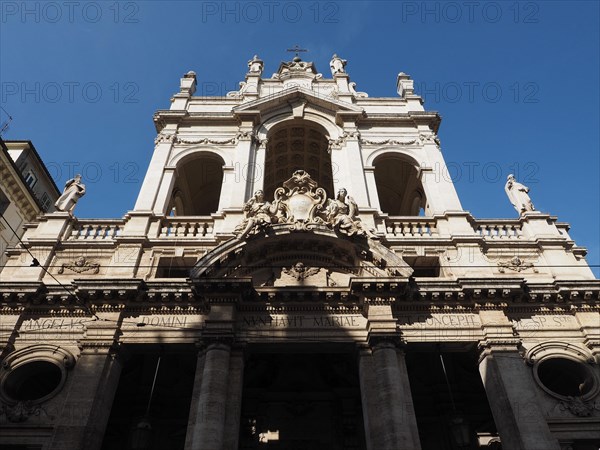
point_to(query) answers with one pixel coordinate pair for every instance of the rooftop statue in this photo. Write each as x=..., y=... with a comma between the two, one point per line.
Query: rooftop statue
x=337, y=64
x=255, y=65
x=74, y=190
x=518, y=194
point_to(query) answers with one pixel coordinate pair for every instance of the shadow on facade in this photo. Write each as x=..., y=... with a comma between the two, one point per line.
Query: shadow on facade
x=164, y=409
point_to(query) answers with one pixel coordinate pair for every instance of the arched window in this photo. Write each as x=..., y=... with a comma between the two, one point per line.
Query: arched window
x=399, y=189
x=197, y=187
x=294, y=146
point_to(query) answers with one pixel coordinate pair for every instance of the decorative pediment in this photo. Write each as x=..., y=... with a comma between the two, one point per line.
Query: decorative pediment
x=294, y=95
x=290, y=260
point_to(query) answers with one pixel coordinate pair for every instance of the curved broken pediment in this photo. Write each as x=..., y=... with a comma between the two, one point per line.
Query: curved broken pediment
x=286, y=257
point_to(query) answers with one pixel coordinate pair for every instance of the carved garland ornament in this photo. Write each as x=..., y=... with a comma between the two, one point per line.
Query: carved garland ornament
x=80, y=265
x=515, y=264
x=421, y=139
x=175, y=139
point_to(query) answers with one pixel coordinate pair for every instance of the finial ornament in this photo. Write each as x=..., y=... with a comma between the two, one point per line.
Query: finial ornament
x=337, y=64
x=74, y=190
x=518, y=194
x=255, y=65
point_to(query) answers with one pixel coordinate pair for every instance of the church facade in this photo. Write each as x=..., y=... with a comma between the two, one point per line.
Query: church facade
x=296, y=274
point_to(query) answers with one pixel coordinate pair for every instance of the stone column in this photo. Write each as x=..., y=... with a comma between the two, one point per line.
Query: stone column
x=399, y=426
x=207, y=432
x=234, y=400
x=195, y=406
x=84, y=415
x=369, y=399
x=510, y=388
x=511, y=393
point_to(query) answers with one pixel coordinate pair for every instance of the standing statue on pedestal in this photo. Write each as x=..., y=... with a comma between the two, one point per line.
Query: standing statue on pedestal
x=518, y=194
x=258, y=213
x=342, y=215
x=337, y=64
x=74, y=190
x=255, y=65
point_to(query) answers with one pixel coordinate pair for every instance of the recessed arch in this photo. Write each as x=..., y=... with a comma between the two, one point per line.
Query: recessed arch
x=398, y=186
x=297, y=145
x=198, y=181
x=326, y=123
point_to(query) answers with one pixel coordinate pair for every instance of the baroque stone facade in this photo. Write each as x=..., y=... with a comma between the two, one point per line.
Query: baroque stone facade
x=295, y=275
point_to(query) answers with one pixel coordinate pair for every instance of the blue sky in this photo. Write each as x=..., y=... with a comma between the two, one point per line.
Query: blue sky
x=517, y=85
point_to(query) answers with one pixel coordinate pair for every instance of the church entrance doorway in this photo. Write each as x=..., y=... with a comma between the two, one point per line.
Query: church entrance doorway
x=300, y=399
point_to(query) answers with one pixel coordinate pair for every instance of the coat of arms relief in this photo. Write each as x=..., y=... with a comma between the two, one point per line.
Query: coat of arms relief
x=302, y=204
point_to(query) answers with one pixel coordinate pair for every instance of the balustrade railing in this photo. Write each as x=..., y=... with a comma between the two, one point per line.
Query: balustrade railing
x=499, y=229
x=411, y=227
x=186, y=227
x=96, y=229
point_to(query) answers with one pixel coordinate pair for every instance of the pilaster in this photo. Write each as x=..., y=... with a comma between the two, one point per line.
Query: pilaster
x=91, y=391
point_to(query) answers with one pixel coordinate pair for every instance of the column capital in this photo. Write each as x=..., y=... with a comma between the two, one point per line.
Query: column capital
x=494, y=346
x=381, y=341
x=214, y=342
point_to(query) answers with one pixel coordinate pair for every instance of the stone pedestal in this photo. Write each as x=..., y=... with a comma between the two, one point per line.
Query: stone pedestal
x=511, y=393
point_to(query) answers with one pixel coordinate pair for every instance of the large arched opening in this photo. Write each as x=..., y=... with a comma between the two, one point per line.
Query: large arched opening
x=197, y=188
x=398, y=186
x=296, y=145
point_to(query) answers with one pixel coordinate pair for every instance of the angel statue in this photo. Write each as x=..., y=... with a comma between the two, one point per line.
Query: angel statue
x=258, y=214
x=342, y=215
x=518, y=194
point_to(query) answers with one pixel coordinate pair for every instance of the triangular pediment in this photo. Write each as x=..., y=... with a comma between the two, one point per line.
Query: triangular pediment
x=294, y=95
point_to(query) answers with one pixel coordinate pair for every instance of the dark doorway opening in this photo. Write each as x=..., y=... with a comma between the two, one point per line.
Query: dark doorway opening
x=452, y=414
x=302, y=400
x=166, y=424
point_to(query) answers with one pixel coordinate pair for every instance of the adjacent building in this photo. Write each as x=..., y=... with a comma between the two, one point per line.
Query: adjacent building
x=296, y=274
x=26, y=191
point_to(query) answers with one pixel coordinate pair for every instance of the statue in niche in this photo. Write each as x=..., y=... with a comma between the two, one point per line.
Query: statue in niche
x=518, y=194
x=342, y=214
x=337, y=64
x=74, y=190
x=258, y=214
x=255, y=65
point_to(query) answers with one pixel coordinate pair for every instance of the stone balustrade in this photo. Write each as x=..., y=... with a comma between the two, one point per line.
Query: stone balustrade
x=420, y=227
x=186, y=227
x=499, y=229
x=95, y=229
